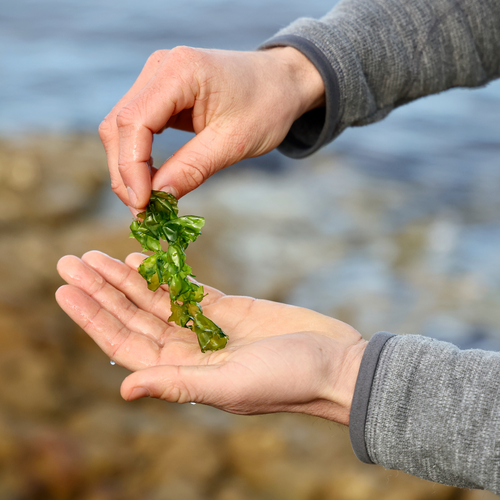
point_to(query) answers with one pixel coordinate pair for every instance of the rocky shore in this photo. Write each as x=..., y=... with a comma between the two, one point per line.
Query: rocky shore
x=370, y=251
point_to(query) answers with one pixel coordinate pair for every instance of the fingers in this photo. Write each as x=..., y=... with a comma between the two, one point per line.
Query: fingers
x=172, y=89
x=108, y=131
x=130, y=335
x=191, y=165
x=75, y=272
x=133, y=260
x=127, y=348
x=136, y=126
x=233, y=101
x=130, y=283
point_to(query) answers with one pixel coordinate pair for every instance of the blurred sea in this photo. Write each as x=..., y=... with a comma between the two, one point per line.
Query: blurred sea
x=65, y=63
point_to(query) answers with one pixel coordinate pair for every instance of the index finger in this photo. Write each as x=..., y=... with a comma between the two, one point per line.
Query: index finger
x=108, y=129
x=166, y=94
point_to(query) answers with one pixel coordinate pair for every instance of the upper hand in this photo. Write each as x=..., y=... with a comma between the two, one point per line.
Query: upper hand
x=278, y=358
x=240, y=105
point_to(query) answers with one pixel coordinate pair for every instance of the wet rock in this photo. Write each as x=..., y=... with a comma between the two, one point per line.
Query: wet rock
x=45, y=179
x=29, y=383
x=261, y=457
x=233, y=488
x=307, y=459
x=29, y=368
x=186, y=454
x=8, y=444
x=52, y=465
x=479, y=495
x=28, y=258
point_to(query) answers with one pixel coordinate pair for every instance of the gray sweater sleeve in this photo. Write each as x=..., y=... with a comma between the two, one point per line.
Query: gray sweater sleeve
x=375, y=55
x=427, y=408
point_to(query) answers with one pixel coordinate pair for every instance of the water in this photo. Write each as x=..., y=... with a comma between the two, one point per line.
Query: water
x=112, y=363
x=65, y=63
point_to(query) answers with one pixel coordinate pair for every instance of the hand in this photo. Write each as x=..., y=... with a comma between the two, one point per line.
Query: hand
x=240, y=105
x=279, y=358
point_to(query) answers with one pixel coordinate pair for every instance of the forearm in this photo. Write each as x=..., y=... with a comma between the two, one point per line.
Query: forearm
x=384, y=53
x=431, y=410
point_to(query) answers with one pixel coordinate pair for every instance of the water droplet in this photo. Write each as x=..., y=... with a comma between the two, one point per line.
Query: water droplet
x=191, y=403
x=112, y=363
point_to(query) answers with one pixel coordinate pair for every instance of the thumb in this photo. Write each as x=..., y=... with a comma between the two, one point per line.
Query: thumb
x=190, y=166
x=176, y=384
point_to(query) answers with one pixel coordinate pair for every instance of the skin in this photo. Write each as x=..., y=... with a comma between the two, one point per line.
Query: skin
x=279, y=358
x=239, y=105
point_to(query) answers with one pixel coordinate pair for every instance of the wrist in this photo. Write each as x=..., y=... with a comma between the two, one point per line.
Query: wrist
x=345, y=382
x=344, y=363
x=302, y=78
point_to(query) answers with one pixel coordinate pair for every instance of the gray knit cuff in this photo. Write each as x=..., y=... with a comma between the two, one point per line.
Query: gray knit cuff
x=361, y=398
x=316, y=128
x=434, y=412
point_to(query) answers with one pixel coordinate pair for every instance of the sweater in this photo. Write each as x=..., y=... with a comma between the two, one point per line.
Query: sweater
x=375, y=55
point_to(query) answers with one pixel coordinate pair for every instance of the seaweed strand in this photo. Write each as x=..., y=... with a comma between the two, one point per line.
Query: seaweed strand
x=160, y=221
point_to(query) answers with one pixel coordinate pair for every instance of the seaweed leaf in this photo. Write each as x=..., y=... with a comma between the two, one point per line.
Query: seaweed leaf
x=160, y=221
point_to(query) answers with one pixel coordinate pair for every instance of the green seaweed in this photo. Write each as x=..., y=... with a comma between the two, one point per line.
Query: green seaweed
x=161, y=222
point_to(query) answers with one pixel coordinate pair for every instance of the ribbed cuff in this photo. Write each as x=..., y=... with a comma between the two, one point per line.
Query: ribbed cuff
x=361, y=398
x=315, y=128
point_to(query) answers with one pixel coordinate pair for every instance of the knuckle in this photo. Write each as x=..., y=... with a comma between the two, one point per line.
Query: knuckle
x=184, y=52
x=194, y=174
x=175, y=395
x=123, y=167
x=126, y=117
x=188, y=57
x=116, y=186
x=175, y=390
x=105, y=129
x=187, y=66
x=157, y=57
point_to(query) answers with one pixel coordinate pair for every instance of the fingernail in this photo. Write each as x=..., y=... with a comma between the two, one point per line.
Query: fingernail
x=138, y=393
x=132, y=196
x=169, y=189
x=134, y=211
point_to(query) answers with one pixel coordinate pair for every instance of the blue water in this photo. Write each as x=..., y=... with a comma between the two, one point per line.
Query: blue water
x=65, y=63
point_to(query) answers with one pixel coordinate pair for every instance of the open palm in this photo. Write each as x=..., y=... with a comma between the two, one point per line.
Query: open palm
x=278, y=358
